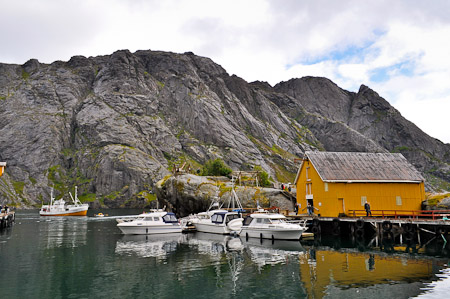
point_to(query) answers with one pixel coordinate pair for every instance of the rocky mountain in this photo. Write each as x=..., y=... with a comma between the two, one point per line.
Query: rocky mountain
x=115, y=125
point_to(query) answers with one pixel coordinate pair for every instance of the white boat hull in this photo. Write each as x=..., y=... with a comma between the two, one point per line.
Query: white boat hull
x=211, y=228
x=80, y=210
x=207, y=226
x=128, y=229
x=267, y=233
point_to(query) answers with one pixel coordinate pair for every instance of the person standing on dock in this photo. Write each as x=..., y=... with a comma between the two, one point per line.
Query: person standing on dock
x=367, y=208
x=309, y=208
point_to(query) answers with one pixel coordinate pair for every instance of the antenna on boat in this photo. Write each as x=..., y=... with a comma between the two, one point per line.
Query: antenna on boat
x=75, y=200
x=234, y=199
x=51, y=196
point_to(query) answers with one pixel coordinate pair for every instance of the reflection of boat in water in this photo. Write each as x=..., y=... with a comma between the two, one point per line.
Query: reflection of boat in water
x=271, y=226
x=266, y=252
x=61, y=208
x=67, y=232
x=155, y=222
x=214, y=244
x=158, y=245
x=285, y=245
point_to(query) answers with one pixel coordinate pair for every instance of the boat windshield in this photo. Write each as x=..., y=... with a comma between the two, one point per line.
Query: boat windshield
x=247, y=220
x=277, y=221
x=231, y=217
x=217, y=218
x=263, y=221
x=170, y=218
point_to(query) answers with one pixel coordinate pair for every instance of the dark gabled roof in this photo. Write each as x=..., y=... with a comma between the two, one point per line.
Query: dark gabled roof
x=367, y=167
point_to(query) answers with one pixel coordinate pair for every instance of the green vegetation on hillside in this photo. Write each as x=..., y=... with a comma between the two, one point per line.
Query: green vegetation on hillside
x=215, y=168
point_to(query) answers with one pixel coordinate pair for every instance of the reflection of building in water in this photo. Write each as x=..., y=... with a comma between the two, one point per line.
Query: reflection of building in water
x=158, y=246
x=321, y=270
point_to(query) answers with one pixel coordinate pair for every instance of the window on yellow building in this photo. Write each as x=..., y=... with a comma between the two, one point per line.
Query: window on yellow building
x=326, y=187
x=307, y=174
x=398, y=200
x=308, y=188
x=363, y=200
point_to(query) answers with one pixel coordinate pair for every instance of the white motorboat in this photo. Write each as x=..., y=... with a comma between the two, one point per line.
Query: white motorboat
x=220, y=221
x=271, y=226
x=61, y=208
x=155, y=222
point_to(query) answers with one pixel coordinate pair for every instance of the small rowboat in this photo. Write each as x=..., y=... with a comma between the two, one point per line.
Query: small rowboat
x=100, y=215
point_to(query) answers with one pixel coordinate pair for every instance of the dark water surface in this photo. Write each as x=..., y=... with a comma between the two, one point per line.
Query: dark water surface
x=88, y=257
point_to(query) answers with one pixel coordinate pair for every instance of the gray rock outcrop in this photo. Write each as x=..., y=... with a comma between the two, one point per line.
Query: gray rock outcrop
x=188, y=194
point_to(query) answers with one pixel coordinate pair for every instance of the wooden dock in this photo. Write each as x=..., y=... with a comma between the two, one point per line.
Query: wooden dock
x=391, y=229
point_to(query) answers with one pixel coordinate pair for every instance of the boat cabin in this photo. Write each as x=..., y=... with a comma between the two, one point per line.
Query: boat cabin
x=167, y=218
x=224, y=217
x=259, y=219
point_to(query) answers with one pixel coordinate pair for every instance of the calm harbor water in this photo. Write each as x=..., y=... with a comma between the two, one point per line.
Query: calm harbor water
x=88, y=257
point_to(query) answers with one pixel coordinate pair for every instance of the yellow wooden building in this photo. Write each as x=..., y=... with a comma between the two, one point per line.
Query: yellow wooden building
x=2, y=168
x=336, y=182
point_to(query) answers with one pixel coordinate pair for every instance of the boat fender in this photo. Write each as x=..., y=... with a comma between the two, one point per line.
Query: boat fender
x=336, y=222
x=408, y=235
x=359, y=233
x=315, y=222
x=408, y=227
x=388, y=235
x=387, y=225
x=315, y=229
x=359, y=223
x=336, y=230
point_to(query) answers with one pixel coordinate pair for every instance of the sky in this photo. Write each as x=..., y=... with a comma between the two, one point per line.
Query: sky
x=400, y=48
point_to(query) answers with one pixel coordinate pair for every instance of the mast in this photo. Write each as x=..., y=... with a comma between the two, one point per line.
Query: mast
x=51, y=197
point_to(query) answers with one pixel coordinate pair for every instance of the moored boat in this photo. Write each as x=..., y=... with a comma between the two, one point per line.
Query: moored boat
x=220, y=221
x=155, y=222
x=100, y=215
x=61, y=208
x=271, y=226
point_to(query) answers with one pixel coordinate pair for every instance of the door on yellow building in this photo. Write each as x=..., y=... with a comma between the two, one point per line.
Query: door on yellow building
x=341, y=207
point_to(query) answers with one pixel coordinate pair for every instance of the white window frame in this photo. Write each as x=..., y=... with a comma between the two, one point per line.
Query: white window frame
x=325, y=186
x=363, y=200
x=398, y=200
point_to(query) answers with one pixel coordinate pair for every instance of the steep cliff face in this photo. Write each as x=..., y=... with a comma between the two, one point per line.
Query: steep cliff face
x=363, y=121
x=114, y=125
